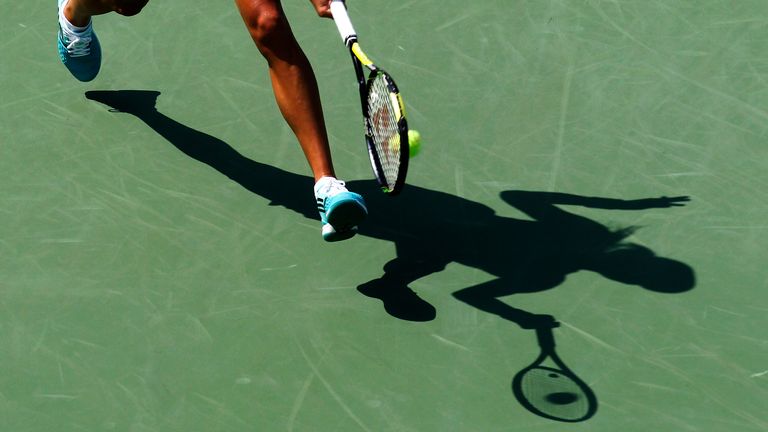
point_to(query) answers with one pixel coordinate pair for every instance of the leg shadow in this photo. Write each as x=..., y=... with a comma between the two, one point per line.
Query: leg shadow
x=281, y=187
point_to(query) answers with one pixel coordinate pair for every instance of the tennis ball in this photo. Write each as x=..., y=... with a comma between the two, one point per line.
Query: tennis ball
x=414, y=142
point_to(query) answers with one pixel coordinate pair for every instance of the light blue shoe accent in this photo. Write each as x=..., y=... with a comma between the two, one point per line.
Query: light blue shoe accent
x=81, y=55
x=340, y=211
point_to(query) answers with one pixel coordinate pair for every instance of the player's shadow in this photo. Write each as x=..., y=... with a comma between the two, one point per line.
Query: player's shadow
x=431, y=229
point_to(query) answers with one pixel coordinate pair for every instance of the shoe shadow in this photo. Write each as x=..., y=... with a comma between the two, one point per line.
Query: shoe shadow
x=431, y=229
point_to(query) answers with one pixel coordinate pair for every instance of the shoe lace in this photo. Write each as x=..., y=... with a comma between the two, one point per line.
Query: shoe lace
x=331, y=188
x=77, y=46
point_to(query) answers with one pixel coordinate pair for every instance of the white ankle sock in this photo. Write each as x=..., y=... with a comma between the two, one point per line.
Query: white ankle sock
x=325, y=183
x=65, y=24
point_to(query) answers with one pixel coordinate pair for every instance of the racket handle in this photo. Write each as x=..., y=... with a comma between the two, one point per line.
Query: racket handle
x=343, y=23
x=546, y=339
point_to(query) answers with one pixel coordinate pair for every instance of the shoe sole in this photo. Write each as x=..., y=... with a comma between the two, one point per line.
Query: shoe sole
x=346, y=215
x=336, y=236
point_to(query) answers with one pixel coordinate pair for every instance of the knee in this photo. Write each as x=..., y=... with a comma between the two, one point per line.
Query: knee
x=129, y=7
x=267, y=26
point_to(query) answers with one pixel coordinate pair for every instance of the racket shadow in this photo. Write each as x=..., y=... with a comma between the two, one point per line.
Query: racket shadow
x=549, y=388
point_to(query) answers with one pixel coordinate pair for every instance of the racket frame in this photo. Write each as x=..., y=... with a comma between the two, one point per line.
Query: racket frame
x=361, y=62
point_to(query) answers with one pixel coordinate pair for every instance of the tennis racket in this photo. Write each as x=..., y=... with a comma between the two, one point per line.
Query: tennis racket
x=553, y=392
x=386, y=130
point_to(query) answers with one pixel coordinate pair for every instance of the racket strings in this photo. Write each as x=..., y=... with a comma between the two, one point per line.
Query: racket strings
x=384, y=130
x=555, y=394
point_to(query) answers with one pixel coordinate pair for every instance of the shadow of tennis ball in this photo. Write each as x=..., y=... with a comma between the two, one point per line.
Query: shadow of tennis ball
x=562, y=398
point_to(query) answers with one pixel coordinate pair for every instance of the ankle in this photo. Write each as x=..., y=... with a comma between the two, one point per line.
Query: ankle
x=75, y=16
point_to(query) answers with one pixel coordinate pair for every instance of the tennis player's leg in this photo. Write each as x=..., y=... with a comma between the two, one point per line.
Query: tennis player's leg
x=78, y=46
x=296, y=92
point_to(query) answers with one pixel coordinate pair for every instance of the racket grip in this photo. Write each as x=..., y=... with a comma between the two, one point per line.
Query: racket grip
x=343, y=23
x=546, y=339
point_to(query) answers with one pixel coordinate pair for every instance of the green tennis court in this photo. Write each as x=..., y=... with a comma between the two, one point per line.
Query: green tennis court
x=164, y=270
